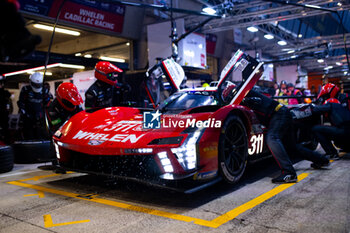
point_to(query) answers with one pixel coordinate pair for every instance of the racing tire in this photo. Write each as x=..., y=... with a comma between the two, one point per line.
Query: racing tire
x=31, y=151
x=6, y=159
x=233, y=149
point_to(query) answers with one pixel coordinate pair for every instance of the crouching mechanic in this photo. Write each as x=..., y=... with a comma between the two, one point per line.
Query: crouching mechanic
x=281, y=138
x=107, y=90
x=67, y=103
x=339, y=131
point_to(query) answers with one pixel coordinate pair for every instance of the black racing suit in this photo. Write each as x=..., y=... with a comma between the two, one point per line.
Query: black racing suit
x=281, y=138
x=339, y=132
x=57, y=115
x=31, y=107
x=102, y=95
x=4, y=114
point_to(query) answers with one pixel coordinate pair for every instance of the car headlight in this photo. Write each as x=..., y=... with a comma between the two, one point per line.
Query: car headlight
x=187, y=153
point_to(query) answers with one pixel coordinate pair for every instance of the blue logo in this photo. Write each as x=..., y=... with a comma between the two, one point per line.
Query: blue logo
x=151, y=120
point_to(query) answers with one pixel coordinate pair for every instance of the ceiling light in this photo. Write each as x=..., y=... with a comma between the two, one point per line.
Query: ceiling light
x=77, y=54
x=60, y=30
x=339, y=4
x=209, y=11
x=112, y=59
x=269, y=36
x=291, y=51
x=47, y=73
x=127, y=43
x=300, y=35
x=328, y=67
x=88, y=56
x=282, y=43
x=312, y=6
x=252, y=29
x=270, y=65
x=339, y=63
x=294, y=56
x=43, y=67
x=79, y=67
x=320, y=60
x=345, y=72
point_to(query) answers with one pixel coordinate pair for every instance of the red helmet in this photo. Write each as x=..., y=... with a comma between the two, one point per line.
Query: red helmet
x=328, y=91
x=107, y=72
x=332, y=100
x=68, y=96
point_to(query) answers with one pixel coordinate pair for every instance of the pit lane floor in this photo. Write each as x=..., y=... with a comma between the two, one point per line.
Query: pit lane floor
x=33, y=200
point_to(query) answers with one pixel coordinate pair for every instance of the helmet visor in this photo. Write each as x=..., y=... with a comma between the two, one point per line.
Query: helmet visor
x=36, y=85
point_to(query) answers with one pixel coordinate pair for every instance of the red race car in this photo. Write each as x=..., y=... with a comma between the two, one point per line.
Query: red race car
x=198, y=135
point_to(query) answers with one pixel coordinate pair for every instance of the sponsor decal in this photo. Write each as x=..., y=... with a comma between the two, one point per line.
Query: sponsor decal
x=205, y=175
x=131, y=138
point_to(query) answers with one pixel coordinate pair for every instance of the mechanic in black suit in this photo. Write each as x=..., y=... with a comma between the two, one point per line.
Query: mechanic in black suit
x=281, y=138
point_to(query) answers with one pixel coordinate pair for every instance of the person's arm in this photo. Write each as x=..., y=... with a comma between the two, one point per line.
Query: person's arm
x=21, y=101
x=321, y=109
x=90, y=99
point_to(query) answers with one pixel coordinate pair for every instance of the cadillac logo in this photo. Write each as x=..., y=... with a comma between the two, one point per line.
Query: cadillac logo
x=95, y=142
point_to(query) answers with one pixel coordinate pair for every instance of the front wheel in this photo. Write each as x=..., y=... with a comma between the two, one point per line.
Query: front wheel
x=233, y=149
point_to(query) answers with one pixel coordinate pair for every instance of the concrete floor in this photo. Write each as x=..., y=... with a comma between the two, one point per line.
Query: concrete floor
x=82, y=203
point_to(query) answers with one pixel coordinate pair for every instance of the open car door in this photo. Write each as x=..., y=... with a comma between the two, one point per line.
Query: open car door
x=239, y=77
x=163, y=80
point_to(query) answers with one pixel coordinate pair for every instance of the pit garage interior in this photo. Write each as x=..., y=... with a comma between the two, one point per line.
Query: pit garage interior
x=302, y=42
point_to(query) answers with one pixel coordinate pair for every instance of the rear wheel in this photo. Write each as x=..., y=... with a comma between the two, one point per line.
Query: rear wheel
x=233, y=149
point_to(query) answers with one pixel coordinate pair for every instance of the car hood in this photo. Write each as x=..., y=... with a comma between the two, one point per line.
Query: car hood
x=109, y=130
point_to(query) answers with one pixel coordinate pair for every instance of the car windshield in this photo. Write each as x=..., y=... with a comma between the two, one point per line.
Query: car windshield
x=185, y=100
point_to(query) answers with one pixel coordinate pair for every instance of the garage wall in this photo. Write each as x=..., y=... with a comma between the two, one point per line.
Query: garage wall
x=287, y=73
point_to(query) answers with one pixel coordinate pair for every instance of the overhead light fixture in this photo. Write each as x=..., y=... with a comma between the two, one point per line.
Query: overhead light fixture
x=312, y=6
x=270, y=65
x=209, y=11
x=339, y=4
x=127, y=43
x=294, y=56
x=43, y=67
x=47, y=73
x=320, y=60
x=338, y=63
x=60, y=30
x=269, y=36
x=252, y=29
x=77, y=54
x=112, y=59
x=291, y=51
x=328, y=68
x=88, y=56
x=345, y=72
x=282, y=43
x=300, y=35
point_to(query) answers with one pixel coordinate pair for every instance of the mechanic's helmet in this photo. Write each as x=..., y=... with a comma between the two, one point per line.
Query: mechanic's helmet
x=332, y=100
x=68, y=96
x=328, y=91
x=107, y=72
x=36, y=81
x=283, y=82
x=290, y=85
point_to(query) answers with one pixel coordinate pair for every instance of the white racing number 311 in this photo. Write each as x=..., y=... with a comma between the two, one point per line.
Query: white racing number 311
x=257, y=144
